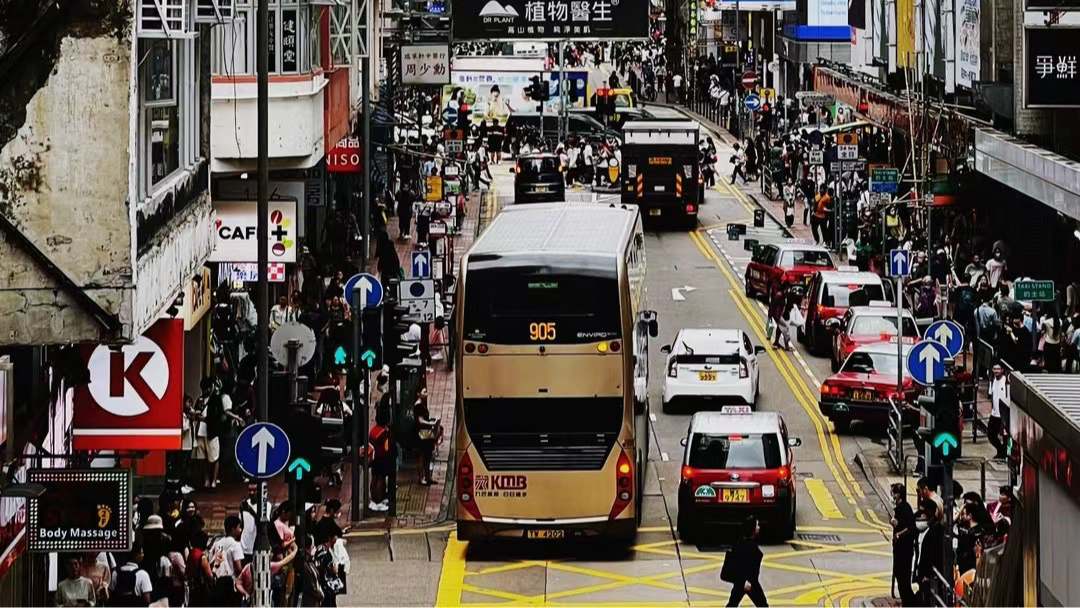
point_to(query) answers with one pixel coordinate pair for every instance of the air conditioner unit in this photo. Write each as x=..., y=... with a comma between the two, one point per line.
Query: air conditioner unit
x=163, y=19
x=214, y=11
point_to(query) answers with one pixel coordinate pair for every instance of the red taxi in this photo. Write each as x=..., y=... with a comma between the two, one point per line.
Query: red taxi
x=779, y=263
x=830, y=294
x=863, y=325
x=862, y=387
x=737, y=462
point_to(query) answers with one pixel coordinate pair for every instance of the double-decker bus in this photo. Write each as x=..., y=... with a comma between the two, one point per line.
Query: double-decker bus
x=552, y=425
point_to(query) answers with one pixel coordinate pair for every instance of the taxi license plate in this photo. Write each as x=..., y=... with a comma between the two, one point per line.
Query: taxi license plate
x=659, y=188
x=654, y=212
x=862, y=395
x=540, y=189
x=735, y=495
x=546, y=534
x=709, y=376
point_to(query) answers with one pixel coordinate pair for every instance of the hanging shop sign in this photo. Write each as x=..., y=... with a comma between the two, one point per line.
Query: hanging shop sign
x=134, y=399
x=345, y=156
x=82, y=510
x=235, y=226
x=968, y=42
x=425, y=64
x=197, y=296
x=1051, y=79
x=550, y=19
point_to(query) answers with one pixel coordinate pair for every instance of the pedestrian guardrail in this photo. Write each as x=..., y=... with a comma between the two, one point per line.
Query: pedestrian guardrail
x=896, y=437
x=941, y=590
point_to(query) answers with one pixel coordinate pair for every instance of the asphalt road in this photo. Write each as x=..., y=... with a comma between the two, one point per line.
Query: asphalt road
x=841, y=552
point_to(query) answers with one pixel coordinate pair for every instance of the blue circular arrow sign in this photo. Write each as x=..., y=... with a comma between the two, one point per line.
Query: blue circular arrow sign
x=948, y=334
x=926, y=362
x=752, y=102
x=449, y=115
x=262, y=450
x=371, y=291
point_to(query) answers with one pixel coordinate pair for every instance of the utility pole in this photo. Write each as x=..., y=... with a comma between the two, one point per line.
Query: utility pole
x=360, y=390
x=260, y=569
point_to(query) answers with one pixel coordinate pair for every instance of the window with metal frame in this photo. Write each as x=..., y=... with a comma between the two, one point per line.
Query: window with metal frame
x=168, y=93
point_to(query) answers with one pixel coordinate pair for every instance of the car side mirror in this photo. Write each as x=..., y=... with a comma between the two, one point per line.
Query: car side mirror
x=654, y=329
x=759, y=349
x=794, y=442
x=666, y=349
x=511, y=170
x=682, y=442
x=833, y=325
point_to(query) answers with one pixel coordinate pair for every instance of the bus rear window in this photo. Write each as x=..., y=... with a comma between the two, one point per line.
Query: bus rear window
x=843, y=295
x=526, y=306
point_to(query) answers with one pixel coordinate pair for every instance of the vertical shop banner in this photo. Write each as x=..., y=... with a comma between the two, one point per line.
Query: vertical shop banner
x=905, y=33
x=968, y=62
x=134, y=399
x=425, y=64
x=1050, y=67
x=550, y=19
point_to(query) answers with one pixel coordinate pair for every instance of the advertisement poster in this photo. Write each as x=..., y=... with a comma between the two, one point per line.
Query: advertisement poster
x=1051, y=78
x=81, y=510
x=967, y=42
x=497, y=95
x=550, y=19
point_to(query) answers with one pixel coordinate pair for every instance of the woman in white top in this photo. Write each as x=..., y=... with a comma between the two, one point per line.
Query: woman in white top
x=1051, y=332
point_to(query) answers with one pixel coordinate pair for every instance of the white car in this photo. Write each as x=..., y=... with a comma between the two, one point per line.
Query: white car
x=704, y=365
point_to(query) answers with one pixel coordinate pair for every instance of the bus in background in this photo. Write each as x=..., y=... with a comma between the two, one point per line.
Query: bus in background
x=552, y=411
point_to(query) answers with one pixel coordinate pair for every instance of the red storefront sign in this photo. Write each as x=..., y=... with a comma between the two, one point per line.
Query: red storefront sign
x=134, y=400
x=344, y=157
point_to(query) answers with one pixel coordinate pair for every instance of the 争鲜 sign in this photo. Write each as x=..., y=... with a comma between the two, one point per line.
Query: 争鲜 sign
x=550, y=19
x=425, y=64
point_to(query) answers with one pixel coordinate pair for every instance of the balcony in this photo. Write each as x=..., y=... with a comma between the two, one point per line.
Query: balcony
x=297, y=115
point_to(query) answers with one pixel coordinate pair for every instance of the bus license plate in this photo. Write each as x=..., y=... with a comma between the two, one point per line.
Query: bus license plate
x=862, y=395
x=654, y=212
x=540, y=189
x=735, y=495
x=709, y=376
x=546, y=534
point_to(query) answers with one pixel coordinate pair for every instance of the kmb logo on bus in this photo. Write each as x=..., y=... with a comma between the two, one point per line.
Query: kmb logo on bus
x=503, y=486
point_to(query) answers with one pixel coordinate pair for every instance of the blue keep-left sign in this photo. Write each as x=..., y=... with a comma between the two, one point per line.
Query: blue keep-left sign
x=371, y=291
x=948, y=334
x=899, y=263
x=926, y=362
x=262, y=450
x=449, y=115
x=421, y=264
x=752, y=102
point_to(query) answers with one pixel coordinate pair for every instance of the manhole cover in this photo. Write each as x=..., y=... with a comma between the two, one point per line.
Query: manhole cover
x=819, y=538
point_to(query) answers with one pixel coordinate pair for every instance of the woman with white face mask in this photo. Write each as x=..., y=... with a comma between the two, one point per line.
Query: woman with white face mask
x=931, y=549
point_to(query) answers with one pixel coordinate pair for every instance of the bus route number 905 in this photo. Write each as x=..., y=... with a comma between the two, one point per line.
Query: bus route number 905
x=542, y=332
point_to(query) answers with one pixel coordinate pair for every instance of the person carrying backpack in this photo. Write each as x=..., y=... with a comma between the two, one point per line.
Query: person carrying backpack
x=226, y=562
x=197, y=573
x=131, y=584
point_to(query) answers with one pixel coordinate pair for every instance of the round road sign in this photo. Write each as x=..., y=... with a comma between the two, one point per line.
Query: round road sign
x=749, y=79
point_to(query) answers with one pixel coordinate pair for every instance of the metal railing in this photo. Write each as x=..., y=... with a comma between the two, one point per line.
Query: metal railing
x=896, y=438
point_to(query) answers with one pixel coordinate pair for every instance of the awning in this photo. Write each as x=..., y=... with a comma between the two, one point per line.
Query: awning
x=1041, y=174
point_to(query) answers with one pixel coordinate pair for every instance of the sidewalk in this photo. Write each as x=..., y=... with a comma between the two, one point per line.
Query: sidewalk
x=416, y=505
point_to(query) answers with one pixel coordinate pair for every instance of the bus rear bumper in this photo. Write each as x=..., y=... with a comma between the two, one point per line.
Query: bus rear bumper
x=623, y=529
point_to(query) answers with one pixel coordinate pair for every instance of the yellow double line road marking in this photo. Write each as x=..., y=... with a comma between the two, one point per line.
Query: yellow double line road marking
x=830, y=444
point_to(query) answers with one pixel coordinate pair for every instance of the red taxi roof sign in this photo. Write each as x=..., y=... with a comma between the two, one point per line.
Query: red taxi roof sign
x=736, y=409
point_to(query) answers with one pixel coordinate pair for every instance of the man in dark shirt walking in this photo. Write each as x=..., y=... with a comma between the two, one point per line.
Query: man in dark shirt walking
x=404, y=212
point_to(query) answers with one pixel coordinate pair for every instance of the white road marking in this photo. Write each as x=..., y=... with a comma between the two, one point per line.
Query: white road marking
x=663, y=456
x=652, y=417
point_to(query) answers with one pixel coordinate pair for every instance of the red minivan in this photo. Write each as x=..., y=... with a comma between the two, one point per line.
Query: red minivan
x=736, y=463
x=778, y=263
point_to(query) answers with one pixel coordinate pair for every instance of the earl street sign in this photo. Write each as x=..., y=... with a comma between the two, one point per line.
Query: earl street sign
x=262, y=450
x=1034, y=291
x=371, y=291
x=817, y=157
x=926, y=362
x=947, y=334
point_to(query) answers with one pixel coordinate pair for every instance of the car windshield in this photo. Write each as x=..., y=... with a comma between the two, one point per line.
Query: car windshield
x=734, y=451
x=589, y=120
x=843, y=295
x=867, y=325
x=532, y=167
x=870, y=363
x=821, y=259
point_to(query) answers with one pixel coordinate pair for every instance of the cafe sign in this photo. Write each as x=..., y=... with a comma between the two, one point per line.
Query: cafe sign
x=81, y=510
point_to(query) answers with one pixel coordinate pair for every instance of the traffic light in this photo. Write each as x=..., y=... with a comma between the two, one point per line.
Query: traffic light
x=370, y=355
x=463, y=116
x=945, y=438
x=339, y=344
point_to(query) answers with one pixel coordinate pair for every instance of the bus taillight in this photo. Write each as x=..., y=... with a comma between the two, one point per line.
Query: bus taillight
x=624, y=485
x=470, y=348
x=466, y=498
x=482, y=349
x=615, y=346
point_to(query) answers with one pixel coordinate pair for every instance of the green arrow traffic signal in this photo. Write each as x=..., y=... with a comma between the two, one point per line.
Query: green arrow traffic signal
x=368, y=358
x=944, y=441
x=300, y=466
x=340, y=356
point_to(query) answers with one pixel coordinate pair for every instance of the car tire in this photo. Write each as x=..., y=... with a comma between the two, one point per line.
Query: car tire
x=787, y=532
x=668, y=408
x=687, y=532
x=800, y=337
x=690, y=222
x=835, y=364
x=842, y=427
x=748, y=290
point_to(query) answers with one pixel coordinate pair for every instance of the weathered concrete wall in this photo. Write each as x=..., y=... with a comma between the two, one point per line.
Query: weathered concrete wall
x=64, y=183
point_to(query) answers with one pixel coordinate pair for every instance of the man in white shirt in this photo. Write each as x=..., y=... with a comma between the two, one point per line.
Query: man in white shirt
x=226, y=560
x=676, y=81
x=249, y=511
x=131, y=583
x=997, y=427
x=279, y=313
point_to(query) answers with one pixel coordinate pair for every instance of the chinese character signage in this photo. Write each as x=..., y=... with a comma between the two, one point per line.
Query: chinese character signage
x=1050, y=68
x=550, y=19
x=289, y=48
x=81, y=510
x=425, y=64
x=968, y=62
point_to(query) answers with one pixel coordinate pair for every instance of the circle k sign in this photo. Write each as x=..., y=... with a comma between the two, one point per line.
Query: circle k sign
x=134, y=398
